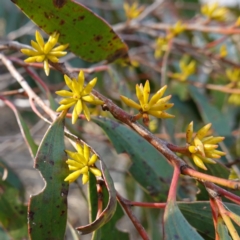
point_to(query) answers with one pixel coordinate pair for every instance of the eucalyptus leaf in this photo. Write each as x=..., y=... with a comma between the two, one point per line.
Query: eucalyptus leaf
x=47, y=211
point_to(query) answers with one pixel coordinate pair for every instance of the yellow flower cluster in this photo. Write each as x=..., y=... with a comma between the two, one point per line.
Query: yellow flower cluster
x=223, y=51
x=161, y=47
x=132, y=11
x=44, y=52
x=80, y=162
x=203, y=147
x=234, y=76
x=213, y=12
x=176, y=29
x=162, y=42
x=78, y=96
x=155, y=106
x=186, y=69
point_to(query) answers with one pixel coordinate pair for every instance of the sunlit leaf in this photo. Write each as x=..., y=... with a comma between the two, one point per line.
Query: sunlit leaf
x=88, y=35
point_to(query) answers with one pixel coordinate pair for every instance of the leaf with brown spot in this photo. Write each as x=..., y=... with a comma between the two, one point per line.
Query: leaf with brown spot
x=47, y=211
x=82, y=29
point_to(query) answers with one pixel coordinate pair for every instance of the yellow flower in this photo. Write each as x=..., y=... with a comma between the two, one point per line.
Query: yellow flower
x=80, y=162
x=132, y=11
x=203, y=147
x=79, y=96
x=155, y=106
x=223, y=51
x=234, y=99
x=161, y=47
x=185, y=70
x=234, y=76
x=176, y=29
x=44, y=52
x=214, y=12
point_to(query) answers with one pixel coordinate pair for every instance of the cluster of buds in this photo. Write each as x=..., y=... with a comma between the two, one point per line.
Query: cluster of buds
x=214, y=12
x=156, y=106
x=186, y=69
x=132, y=11
x=202, y=147
x=163, y=42
x=234, y=76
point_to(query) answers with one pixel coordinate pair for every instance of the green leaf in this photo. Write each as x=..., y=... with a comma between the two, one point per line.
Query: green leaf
x=32, y=146
x=47, y=213
x=199, y=215
x=210, y=114
x=176, y=226
x=222, y=230
x=110, y=208
x=13, y=213
x=149, y=168
x=88, y=35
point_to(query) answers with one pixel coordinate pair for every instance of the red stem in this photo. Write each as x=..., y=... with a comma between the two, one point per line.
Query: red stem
x=222, y=192
x=147, y=205
x=173, y=187
x=178, y=149
x=215, y=214
x=100, y=199
x=136, y=223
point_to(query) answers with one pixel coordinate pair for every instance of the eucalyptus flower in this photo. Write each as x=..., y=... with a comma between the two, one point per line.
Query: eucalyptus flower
x=203, y=148
x=78, y=97
x=234, y=76
x=160, y=47
x=186, y=69
x=132, y=11
x=44, y=52
x=214, y=12
x=156, y=106
x=81, y=162
x=176, y=29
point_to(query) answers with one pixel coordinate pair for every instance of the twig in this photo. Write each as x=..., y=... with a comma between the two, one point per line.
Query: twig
x=165, y=64
x=32, y=95
x=137, y=224
x=205, y=177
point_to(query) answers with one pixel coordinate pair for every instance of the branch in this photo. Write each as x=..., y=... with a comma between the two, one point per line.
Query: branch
x=136, y=223
x=31, y=94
